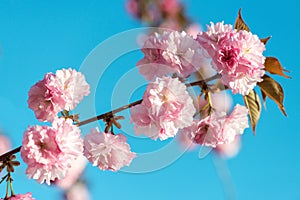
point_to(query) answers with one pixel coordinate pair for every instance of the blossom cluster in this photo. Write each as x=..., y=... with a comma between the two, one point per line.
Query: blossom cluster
x=57, y=92
x=50, y=151
x=107, y=151
x=218, y=128
x=57, y=153
x=236, y=55
x=159, y=13
x=167, y=107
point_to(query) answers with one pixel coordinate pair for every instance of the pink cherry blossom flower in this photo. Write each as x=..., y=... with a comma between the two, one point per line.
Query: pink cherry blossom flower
x=237, y=121
x=73, y=174
x=79, y=191
x=229, y=150
x=153, y=64
x=236, y=55
x=151, y=69
x=183, y=53
x=27, y=196
x=5, y=144
x=240, y=61
x=193, y=30
x=210, y=38
x=132, y=7
x=221, y=101
x=146, y=123
x=107, y=151
x=166, y=107
x=46, y=99
x=170, y=52
x=171, y=7
x=218, y=128
x=185, y=141
x=57, y=92
x=49, y=151
x=73, y=86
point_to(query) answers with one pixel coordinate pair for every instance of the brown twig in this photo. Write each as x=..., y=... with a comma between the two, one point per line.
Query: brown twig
x=109, y=114
x=11, y=152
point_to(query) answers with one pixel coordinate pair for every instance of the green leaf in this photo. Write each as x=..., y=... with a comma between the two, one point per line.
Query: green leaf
x=273, y=90
x=240, y=23
x=273, y=66
x=253, y=104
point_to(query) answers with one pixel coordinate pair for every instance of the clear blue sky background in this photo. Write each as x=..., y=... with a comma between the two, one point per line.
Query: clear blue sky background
x=38, y=37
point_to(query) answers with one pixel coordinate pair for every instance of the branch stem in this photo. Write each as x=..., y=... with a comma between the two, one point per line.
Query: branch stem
x=11, y=152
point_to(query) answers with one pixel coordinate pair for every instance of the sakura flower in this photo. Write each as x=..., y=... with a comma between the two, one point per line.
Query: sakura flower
x=218, y=128
x=49, y=151
x=57, y=92
x=5, y=144
x=170, y=52
x=193, y=30
x=229, y=150
x=236, y=55
x=183, y=53
x=170, y=7
x=166, y=107
x=210, y=38
x=73, y=87
x=73, y=174
x=146, y=123
x=185, y=142
x=27, y=196
x=78, y=191
x=153, y=64
x=132, y=7
x=151, y=69
x=221, y=102
x=46, y=99
x=240, y=61
x=107, y=151
x=237, y=121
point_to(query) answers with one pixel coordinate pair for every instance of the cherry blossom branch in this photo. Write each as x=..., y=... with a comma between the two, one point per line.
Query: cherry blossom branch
x=111, y=113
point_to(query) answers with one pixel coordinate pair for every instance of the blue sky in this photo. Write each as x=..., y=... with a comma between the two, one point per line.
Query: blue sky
x=38, y=37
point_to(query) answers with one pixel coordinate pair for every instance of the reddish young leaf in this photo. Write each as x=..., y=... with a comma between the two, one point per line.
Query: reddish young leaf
x=253, y=104
x=273, y=90
x=240, y=23
x=273, y=66
x=265, y=40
